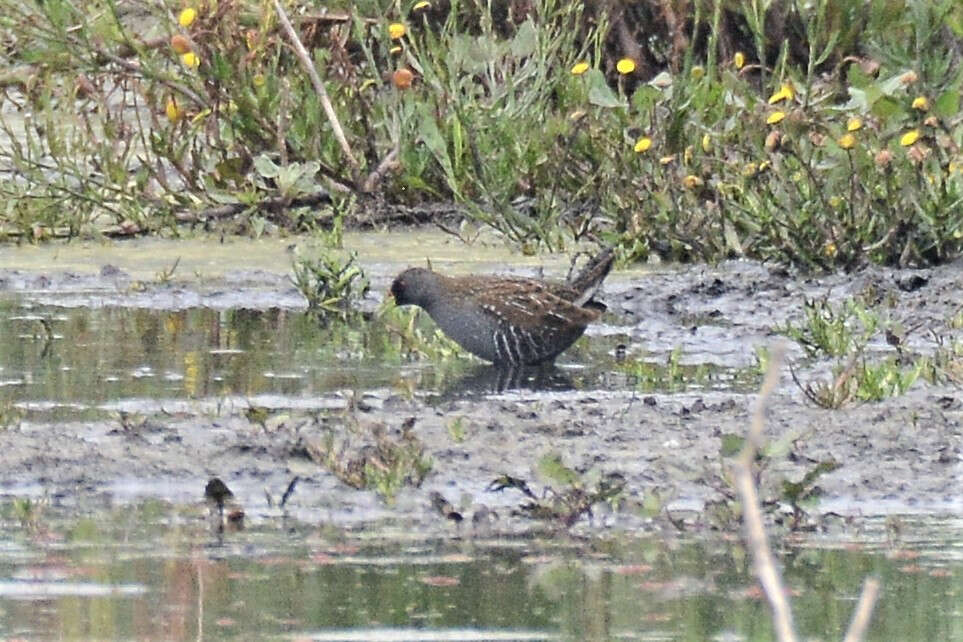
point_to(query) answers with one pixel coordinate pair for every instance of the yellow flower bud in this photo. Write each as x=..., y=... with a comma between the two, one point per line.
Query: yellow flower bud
x=786, y=92
x=775, y=117
x=706, y=143
x=854, y=124
x=847, y=141
x=909, y=137
x=187, y=17
x=625, y=66
x=580, y=68
x=643, y=144
x=739, y=60
x=191, y=60
x=173, y=111
x=396, y=30
x=691, y=181
x=921, y=103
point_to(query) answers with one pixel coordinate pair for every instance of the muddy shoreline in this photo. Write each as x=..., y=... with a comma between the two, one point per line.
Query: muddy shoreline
x=901, y=456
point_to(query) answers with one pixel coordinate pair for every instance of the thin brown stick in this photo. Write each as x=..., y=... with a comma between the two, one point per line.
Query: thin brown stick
x=757, y=541
x=387, y=164
x=319, y=89
x=864, y=610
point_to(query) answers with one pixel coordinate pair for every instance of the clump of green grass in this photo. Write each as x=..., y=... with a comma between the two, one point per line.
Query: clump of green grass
x=331, y=284
x=568, y=495
x=843, y=332
x=374, y=457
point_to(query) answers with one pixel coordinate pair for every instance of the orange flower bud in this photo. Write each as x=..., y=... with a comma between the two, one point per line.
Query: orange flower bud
x=402, y=78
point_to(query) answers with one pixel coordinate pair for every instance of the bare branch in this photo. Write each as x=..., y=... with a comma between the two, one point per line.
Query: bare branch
x=319, y=89
x=756, y=538
x=864, y=610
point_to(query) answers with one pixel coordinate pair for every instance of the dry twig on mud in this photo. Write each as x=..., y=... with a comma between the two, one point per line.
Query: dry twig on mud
x=765, y=564
x=756, y=538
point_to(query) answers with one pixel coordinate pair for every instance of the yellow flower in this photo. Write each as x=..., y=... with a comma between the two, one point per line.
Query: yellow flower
x=706, y=143
x=847, y=141
x=854, y=124
x=396, y=30
x=643, y=144
x=174, y=113
x=691, y=181
x=625, y=66
x=921, y=103
x=786, y=92
x=739, y=60
x=187, y=17
x=580, y=68
x=909, y=137
x=418, y=6
x=666, y=160
x=775, y=117
x=697, y=72
x=191, y=60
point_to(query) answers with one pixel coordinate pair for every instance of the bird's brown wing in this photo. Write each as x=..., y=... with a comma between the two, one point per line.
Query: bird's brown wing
x=528, y=303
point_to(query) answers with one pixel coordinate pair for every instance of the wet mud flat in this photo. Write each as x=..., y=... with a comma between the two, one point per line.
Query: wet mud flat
x=899, y=456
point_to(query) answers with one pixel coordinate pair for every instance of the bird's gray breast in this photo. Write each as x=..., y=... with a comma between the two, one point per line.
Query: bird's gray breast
x=468, y=325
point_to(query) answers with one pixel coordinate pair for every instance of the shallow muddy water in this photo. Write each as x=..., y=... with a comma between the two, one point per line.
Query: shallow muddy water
x=126, y=383
x=150, y=572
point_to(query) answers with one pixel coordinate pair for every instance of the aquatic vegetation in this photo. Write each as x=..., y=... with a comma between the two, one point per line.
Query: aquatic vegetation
x=568, y=495
x=372, y=457
x=844, y=332
x=330, y=283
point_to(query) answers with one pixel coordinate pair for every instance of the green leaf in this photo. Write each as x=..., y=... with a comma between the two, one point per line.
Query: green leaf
x=265, y=167
x=525, y=40
x=731, y=444
x=551, y=467
x=947, y=104
x=600, y=94
x=887, y=107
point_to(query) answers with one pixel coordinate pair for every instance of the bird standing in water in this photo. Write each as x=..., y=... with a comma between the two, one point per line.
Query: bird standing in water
x=509, y=321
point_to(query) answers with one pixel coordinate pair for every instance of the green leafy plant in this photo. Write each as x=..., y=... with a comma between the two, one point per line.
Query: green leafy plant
x=372, y=457
x=833, y=330
x=330, y=283
x=568, y=495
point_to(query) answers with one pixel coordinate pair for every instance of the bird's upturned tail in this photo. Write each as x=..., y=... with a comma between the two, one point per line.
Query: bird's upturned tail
x=588, y=281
